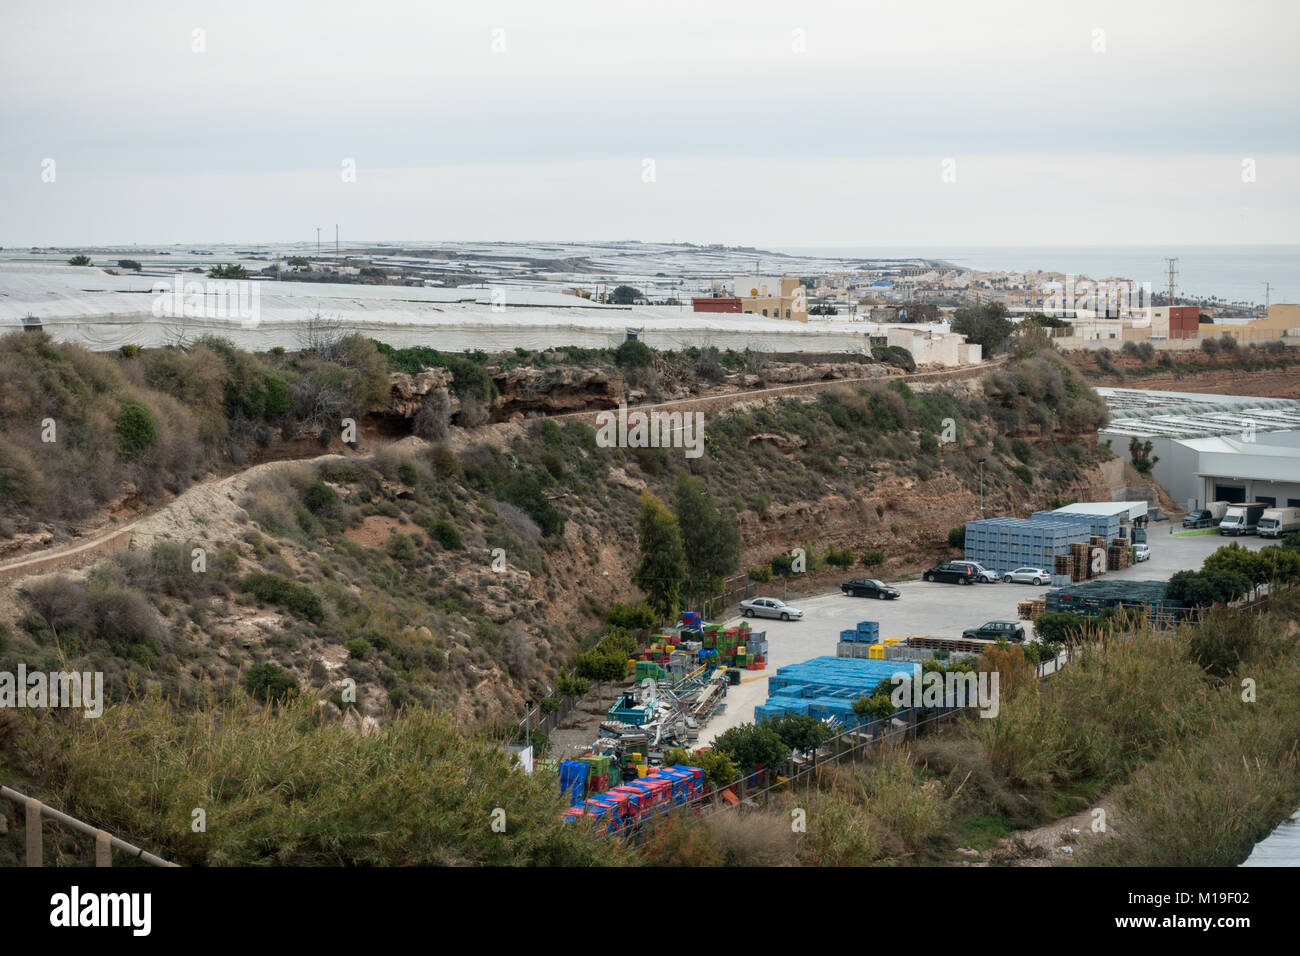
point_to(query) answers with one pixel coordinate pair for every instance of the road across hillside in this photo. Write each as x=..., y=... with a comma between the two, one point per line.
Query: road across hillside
x=89, y=549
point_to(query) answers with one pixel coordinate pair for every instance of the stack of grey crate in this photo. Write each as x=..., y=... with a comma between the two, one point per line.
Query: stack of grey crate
x=1004, y=544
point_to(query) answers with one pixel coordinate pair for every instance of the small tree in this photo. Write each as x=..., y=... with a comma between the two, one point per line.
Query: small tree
x=799, y=732
x=752, y=746
x=874, y=707
x=79, y=261
x=662, y=567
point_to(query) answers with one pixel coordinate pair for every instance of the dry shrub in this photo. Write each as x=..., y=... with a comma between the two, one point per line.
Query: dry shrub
x=913, y=808
x=62, y=601
x=386, y=461
x=473, y=412
x=682, y=840
x=271, y=494
x=969, y=780
x=433, y=421
x=1014, y=672
x=755, y=837
x=841, y=834
x=518, y=522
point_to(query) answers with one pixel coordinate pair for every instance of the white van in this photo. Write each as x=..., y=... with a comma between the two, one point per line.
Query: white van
x=1275, y=522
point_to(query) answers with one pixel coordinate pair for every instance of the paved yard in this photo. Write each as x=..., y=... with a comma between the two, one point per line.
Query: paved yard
x=941, y=610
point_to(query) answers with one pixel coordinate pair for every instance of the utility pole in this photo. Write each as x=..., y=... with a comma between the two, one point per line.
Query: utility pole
x=318, y=242
x=336, y=240
x=1172, y=272
x=1268, y=290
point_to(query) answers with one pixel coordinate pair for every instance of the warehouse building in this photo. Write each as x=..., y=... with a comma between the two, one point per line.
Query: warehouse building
x=1212, y=447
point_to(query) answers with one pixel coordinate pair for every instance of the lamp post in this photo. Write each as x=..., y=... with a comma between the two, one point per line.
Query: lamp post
x=981, y=464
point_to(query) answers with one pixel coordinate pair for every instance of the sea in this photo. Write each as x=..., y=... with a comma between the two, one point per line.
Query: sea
x=1233, y=274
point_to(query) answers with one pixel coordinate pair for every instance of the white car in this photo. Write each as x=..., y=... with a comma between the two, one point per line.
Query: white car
x=1141, y=552
x=770, y=607
x=1027, y=576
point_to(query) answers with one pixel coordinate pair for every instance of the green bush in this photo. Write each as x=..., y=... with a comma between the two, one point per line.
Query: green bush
x=270, y=683
x=402, y=548
x=841, y=558
x=957, y=537
x=359, y=648
x=274, y=589
x=873, y=558
x=136, y=430
x=320, y=497
x=761, y=575
x=130, y=351
x=630, y=616
x=1020, y=448
x=1024, y=474
x=407, y=474
x=445, y=533
x=633, y=354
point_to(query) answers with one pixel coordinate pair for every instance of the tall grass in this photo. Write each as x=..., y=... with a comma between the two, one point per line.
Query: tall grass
x=278, y=788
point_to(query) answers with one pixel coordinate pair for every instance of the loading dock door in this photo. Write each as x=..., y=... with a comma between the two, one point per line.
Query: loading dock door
x=1229, y=493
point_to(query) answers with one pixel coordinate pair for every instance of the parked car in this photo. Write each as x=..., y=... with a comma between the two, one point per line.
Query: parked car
x=770, y=607
x=1027, y=576
x=1201, y=518
x=1141, y=552
x=869, y=587
x=982, y=574
x=954, y=572
x=994, y=630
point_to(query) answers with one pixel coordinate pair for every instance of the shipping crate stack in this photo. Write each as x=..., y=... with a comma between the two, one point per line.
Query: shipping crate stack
x=1080, y=562
x=735, y=646
x=825, y=687
x=1119, y=555
x=857, y=642
x=1031, y=610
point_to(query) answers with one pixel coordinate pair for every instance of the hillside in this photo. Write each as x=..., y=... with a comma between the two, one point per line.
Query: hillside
x=378, y=565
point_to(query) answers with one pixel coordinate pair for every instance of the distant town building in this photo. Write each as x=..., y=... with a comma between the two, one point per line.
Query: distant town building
x=717, y=303
x=783, y=298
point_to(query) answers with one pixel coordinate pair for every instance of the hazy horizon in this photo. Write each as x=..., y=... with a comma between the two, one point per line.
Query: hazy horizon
x=755, y=123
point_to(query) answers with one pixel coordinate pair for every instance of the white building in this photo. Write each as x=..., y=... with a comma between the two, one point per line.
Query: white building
x=1212, y=447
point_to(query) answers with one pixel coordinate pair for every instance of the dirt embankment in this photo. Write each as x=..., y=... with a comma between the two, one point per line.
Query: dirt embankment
x=1218, y=375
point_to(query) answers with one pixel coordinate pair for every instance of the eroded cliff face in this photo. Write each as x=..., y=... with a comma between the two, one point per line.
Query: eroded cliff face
x=525, y=391
x=522, y=391
x=563, y=388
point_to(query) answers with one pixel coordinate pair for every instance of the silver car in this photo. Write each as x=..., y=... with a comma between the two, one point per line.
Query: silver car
x=770, y=607
x=1027, y=576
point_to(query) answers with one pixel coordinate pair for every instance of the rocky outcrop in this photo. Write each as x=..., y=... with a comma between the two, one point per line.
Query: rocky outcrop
x=789, y=373
x=562, y=388
x=408, y=391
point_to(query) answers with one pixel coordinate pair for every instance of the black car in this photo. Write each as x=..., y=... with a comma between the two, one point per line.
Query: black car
x=954, y=572
x=869, y=587
x=994, y=630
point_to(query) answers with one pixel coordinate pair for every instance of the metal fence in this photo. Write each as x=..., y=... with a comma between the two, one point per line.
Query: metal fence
x=105, y=843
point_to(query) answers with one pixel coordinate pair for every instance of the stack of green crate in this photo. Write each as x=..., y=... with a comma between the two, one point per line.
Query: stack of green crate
x=615, y=775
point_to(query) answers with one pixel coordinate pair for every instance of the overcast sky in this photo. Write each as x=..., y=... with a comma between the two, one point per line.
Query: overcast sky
x=759, y=123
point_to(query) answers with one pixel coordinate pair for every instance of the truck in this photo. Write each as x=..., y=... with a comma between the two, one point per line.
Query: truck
x=1207, y=517
x=1275, y=522
x=1242, y=518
